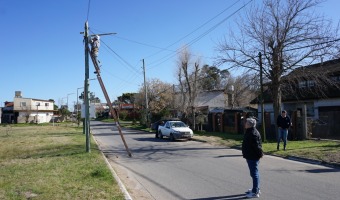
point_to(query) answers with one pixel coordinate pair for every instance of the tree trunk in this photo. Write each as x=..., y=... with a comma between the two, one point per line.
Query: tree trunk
x=277, y=96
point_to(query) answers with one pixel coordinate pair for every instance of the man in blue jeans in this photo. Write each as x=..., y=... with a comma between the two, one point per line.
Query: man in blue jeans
x=252, y=152
x=283, y=123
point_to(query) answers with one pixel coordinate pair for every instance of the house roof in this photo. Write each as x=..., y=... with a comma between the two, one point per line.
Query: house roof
x=9, y=104
x=52, y=101
x=331, y=67
x=307, y=73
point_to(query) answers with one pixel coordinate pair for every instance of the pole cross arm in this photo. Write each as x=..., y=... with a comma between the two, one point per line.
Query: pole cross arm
x=103, y=34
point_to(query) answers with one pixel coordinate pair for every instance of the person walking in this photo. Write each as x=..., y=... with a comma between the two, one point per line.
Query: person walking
x=252, y=152
x=283, y=123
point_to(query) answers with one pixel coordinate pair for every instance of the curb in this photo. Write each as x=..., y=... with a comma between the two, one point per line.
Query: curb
x=315, y=162
x=120, y=183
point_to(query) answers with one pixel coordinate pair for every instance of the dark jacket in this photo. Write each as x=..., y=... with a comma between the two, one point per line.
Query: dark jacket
x=283, y=122
x=252, y=144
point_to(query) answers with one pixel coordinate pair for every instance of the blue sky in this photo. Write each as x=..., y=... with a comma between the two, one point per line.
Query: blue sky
x=42, y=51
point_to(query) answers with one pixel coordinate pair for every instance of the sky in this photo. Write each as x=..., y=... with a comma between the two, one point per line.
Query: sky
x=42, y=50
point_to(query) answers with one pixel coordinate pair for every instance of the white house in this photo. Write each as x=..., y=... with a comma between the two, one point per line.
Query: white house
x=213, y=99
x=29, y=110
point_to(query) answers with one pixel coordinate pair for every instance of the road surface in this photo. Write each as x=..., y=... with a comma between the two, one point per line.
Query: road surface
x=164, y=170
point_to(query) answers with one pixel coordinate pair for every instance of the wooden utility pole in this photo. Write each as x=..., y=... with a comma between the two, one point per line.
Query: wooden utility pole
x=86, y=90
x=262, y=99
x=86, y=123
x=108, y=101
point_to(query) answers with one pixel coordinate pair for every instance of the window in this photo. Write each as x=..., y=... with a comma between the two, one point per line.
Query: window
x=336, y=78
x=302, y=84
x=310, y=83
x=47, y=104
x=310, y=110
x=22, y=104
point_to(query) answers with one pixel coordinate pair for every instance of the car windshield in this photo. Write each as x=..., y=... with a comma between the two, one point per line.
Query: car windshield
x=178, y=124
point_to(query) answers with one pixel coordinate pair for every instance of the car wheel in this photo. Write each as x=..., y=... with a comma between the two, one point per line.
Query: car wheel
x=172, y=138
x=160, y=135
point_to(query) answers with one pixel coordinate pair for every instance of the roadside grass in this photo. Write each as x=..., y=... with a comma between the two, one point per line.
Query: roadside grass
x=50, y=162
x=324, y=151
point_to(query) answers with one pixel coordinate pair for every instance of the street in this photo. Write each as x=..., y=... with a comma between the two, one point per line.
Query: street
x=164, y=170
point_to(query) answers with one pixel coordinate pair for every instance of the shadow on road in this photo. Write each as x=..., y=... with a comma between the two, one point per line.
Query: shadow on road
x=322, y=170
x=228, y=156
x=230, y=197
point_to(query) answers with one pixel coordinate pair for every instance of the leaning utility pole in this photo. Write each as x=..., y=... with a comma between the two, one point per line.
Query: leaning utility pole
x=87, y=38
x=109, y=103
x=112, y=111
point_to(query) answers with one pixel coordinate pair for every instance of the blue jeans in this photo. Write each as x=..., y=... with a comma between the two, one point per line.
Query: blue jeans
x=254, y=173
x=282, y=134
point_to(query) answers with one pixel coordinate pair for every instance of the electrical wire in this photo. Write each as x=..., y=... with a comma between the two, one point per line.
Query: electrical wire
x=118, y=56
x=307, y=46
x=167, y=57
x=195, y=29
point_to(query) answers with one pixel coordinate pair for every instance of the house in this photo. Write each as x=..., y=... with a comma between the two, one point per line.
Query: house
x=221, y=115
x=7, y=116
x=29, y=110
x=320, y=96
x=213, y=99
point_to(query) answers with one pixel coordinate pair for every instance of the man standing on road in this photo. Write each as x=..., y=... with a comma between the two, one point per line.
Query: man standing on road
x=252, y=152
x=283, y=124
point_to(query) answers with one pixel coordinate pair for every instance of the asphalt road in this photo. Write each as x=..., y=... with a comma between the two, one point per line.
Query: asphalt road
x=164, y=170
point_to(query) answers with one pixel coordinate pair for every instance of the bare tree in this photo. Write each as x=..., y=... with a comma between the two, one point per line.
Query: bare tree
x=187, y=75
x=245, y=89
x=289, y=33
x=182, y=100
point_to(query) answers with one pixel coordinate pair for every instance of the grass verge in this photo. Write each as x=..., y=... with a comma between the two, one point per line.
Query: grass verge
x=324, y=151
x=50, y=162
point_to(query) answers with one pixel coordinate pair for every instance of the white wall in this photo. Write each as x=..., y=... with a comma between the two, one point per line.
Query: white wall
x=44, y=110
x=213, y=99
x=294, y=106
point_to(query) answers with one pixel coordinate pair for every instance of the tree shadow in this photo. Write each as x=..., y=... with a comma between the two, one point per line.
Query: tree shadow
x=229, y=197
x=228, y=156
x=322, y=170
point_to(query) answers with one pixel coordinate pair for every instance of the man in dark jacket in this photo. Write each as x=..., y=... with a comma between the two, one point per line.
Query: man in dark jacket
x=252, y=152
x=283, y=124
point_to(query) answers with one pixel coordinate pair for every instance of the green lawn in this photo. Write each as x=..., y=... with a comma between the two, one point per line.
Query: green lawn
x=321, y=150
x=50, y=162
